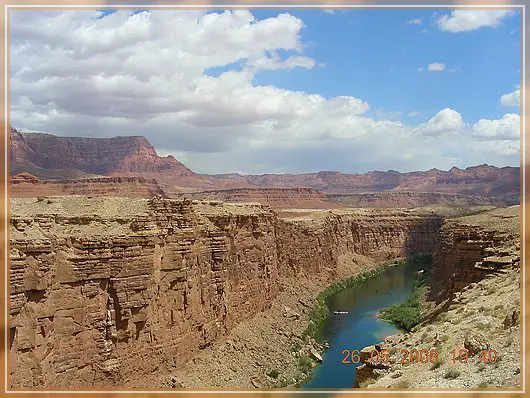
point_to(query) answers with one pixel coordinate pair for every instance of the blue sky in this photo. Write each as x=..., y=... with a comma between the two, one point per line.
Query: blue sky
x=278, y=90
x=375, y=55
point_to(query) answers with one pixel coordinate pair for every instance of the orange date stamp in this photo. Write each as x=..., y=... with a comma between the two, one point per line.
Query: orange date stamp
x=409, y=356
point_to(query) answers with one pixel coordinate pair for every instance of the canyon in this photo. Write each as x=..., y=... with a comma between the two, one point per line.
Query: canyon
x=108, y=289
x=129, y=270
x=47, y=156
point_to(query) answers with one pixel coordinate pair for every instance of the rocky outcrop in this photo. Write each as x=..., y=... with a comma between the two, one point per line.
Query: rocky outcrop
x=469, y=248
x=412, y=199
x=25, y=185
x=105, y=288
x=301, y=198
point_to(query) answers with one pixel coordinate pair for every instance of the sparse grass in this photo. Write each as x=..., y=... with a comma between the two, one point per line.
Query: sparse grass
x=274, y=373
x=509, y=341
x=483, y=384
x=424, y=336
x=481, y=367
x=491, y=290
x=498, y=307
x=436, y=365
x=305, y=364
x=296, y=346
x=366, y=382
x=458, y=311
x=403, y=384
x=484, y=326
x=482, y=308
x=451, y=374
x=445, y=337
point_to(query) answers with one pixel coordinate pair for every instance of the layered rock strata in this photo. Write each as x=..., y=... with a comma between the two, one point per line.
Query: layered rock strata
x=105, y=288
x=412, y=199
x=302, y=198
x=24, y=185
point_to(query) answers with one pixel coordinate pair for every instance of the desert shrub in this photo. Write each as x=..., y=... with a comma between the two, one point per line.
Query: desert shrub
x=451, y=374
x=403, y=384
x=305, y=364
x=274, y=373
x=296, y=346
x=366, y=382
x=436, y=365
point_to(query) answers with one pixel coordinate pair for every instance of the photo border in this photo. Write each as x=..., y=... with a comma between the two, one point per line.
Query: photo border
x=250, y=6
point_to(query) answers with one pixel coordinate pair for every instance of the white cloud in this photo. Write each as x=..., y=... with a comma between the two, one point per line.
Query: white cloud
x=466, y=20
x=414, y=114
x=436, y=67
x=415, y=21
x=445, y=121
x=507, y=128
x=420, y=69
x=329, y=11
x=187, y=81
x=511, y=99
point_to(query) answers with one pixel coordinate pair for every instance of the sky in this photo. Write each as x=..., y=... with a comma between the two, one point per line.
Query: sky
x=277, y=91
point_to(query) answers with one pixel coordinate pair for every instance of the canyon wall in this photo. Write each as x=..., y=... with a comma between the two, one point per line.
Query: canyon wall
x=302, y=198
x=412, y=199
x=471, y=247
x=105, y=288
x=24, y=185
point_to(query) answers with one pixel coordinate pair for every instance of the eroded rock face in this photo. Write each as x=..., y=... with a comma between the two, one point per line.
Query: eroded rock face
x=301, y=198
x=411, y=199
x=469, y=248
x=103, y=288
x=25, y=185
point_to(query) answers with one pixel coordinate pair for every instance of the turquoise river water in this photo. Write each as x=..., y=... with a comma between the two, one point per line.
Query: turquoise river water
x=360, y=327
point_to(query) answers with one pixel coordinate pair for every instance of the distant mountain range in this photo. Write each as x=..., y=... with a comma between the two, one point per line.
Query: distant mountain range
x=52, y=157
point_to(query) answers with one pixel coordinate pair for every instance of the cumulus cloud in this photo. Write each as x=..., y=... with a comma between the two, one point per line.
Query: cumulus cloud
x=466, y=20
x=436, y=67
x=187, y=81
x=445, y=121
x=511, y=99
x=507, y=128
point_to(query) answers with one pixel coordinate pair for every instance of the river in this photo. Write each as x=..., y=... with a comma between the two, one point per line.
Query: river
x=360, y=327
